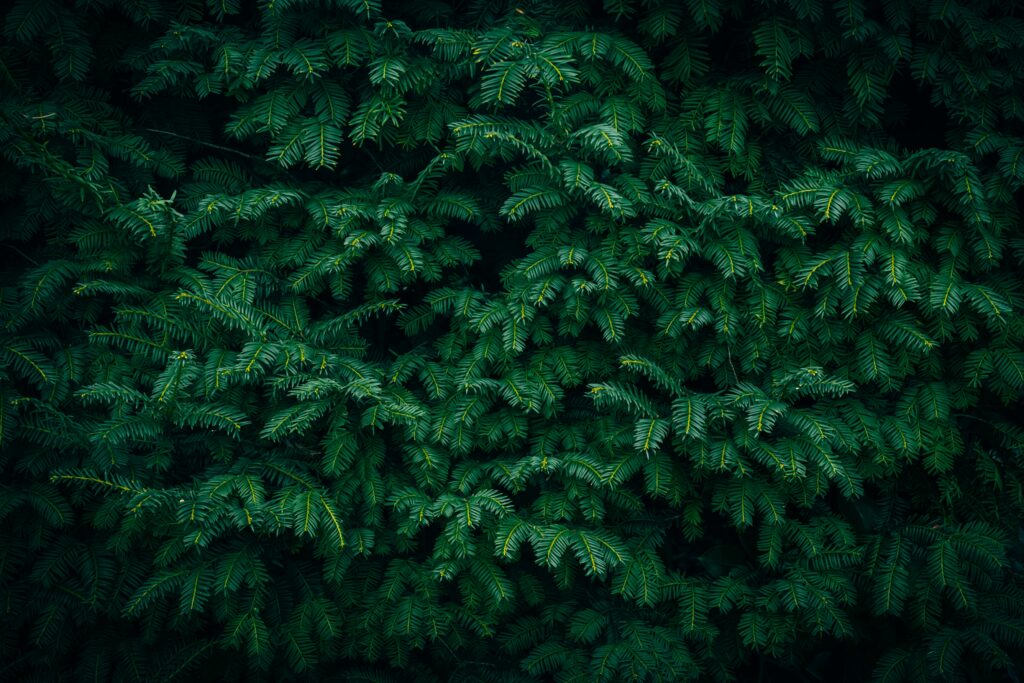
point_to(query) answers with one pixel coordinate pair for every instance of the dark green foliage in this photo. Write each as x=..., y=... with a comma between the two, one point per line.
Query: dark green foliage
x=485, y=341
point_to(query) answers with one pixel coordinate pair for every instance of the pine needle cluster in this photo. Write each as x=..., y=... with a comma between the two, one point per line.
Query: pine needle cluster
x=472, y=340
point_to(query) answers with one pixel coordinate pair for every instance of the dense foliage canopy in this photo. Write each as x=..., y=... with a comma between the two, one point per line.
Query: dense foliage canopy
x=511, y=341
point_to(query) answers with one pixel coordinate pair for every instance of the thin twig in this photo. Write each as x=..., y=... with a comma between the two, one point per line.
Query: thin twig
x=207, y=144
x=17, y=661
x=728, y=350
x=26, y=256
